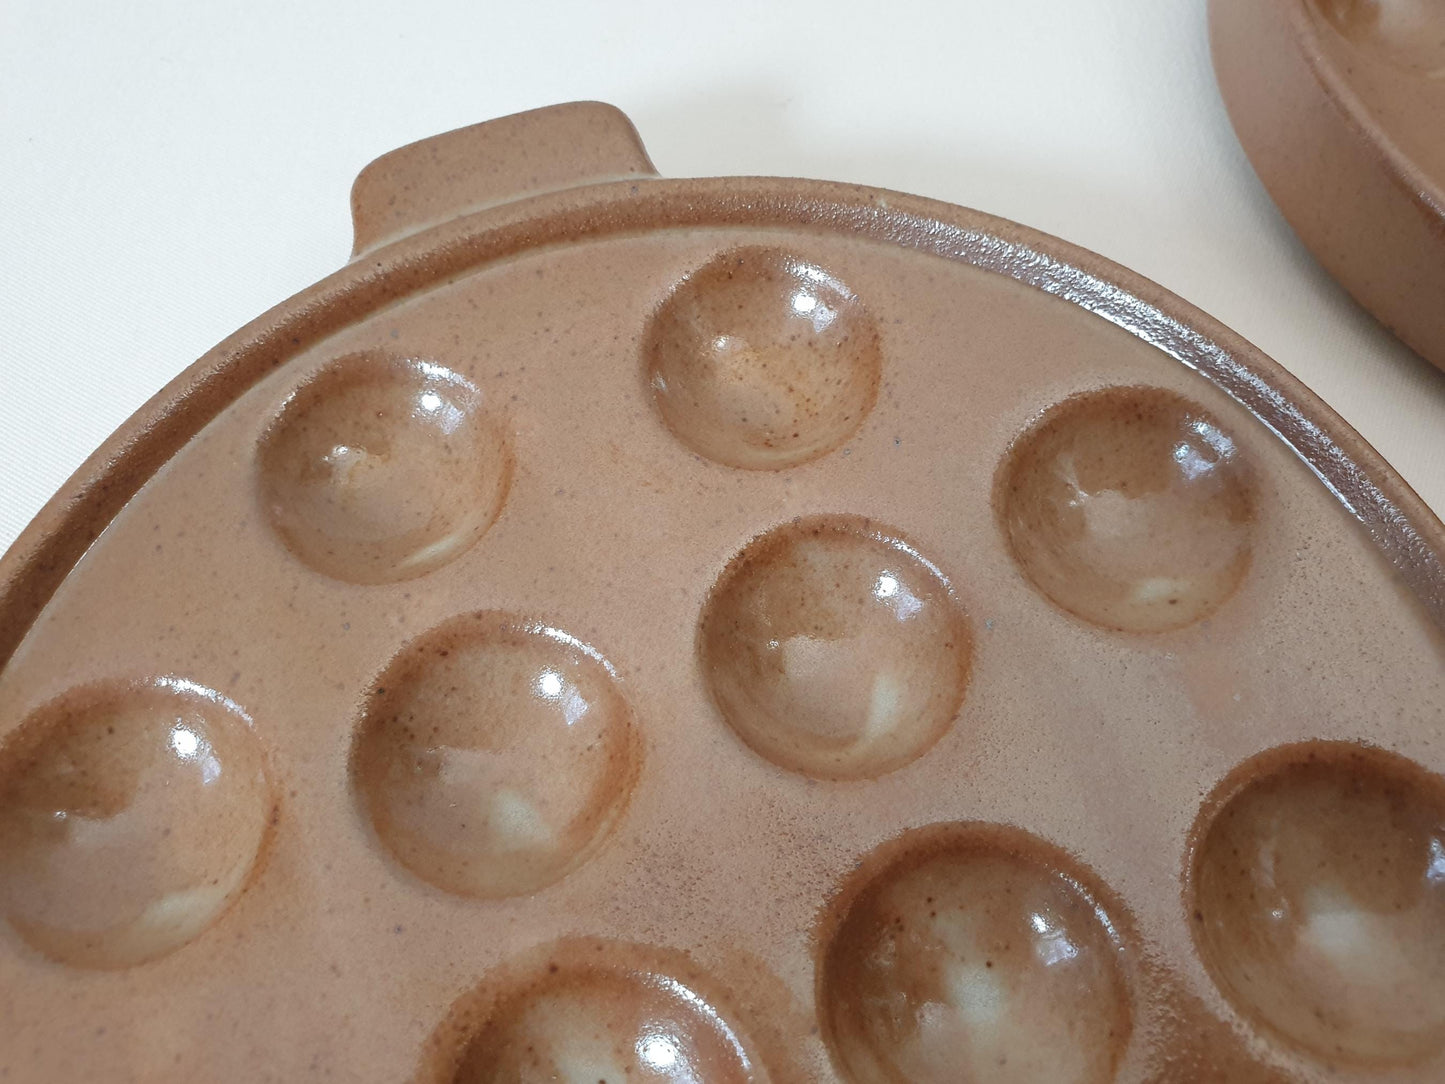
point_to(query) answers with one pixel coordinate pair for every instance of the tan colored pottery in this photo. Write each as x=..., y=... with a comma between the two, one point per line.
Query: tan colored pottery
x=1340, y=105
x=625, y=629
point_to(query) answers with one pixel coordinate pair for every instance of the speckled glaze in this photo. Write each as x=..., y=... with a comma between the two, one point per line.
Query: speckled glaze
x=470, y=707
x=1340, y=105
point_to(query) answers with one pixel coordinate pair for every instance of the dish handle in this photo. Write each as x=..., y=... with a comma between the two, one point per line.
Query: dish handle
x=434, y=180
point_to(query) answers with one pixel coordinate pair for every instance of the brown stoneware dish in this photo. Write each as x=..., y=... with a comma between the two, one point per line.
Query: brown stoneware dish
x=1340, y=105
x=624, y=629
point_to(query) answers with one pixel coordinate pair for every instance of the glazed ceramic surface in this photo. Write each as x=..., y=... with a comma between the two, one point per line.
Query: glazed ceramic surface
x=721, y=630
x=1340, y=105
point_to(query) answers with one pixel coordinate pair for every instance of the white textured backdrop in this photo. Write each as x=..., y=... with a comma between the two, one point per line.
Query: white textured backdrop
x=169, y=170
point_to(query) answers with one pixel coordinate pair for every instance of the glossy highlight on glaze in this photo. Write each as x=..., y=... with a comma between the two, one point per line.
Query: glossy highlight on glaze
x=379, y=469
x=1129, y=507
x=1318, y=900
x=762, y=360
x=611, y=1014
x=131, y=816
x=493, y=754
x=834, y=648
x=728, y=868
x=973, y=954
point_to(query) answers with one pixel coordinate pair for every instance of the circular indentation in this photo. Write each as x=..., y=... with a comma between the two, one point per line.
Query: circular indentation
x=834, y=648
x=378, y=470
x=760, y=360
x=493, y=754
x=1407, y=33
x=593, y=1013
x=1130, y=508
x=1318, y=885
x=973, y=953
x=130, y=817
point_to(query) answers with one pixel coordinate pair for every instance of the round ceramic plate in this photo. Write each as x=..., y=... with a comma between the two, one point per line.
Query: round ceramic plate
x=1340, y=105
x=721, y=630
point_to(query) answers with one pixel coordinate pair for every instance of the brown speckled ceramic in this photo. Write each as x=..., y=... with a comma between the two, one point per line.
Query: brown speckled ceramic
x=621, y=629
x=1340, y=105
